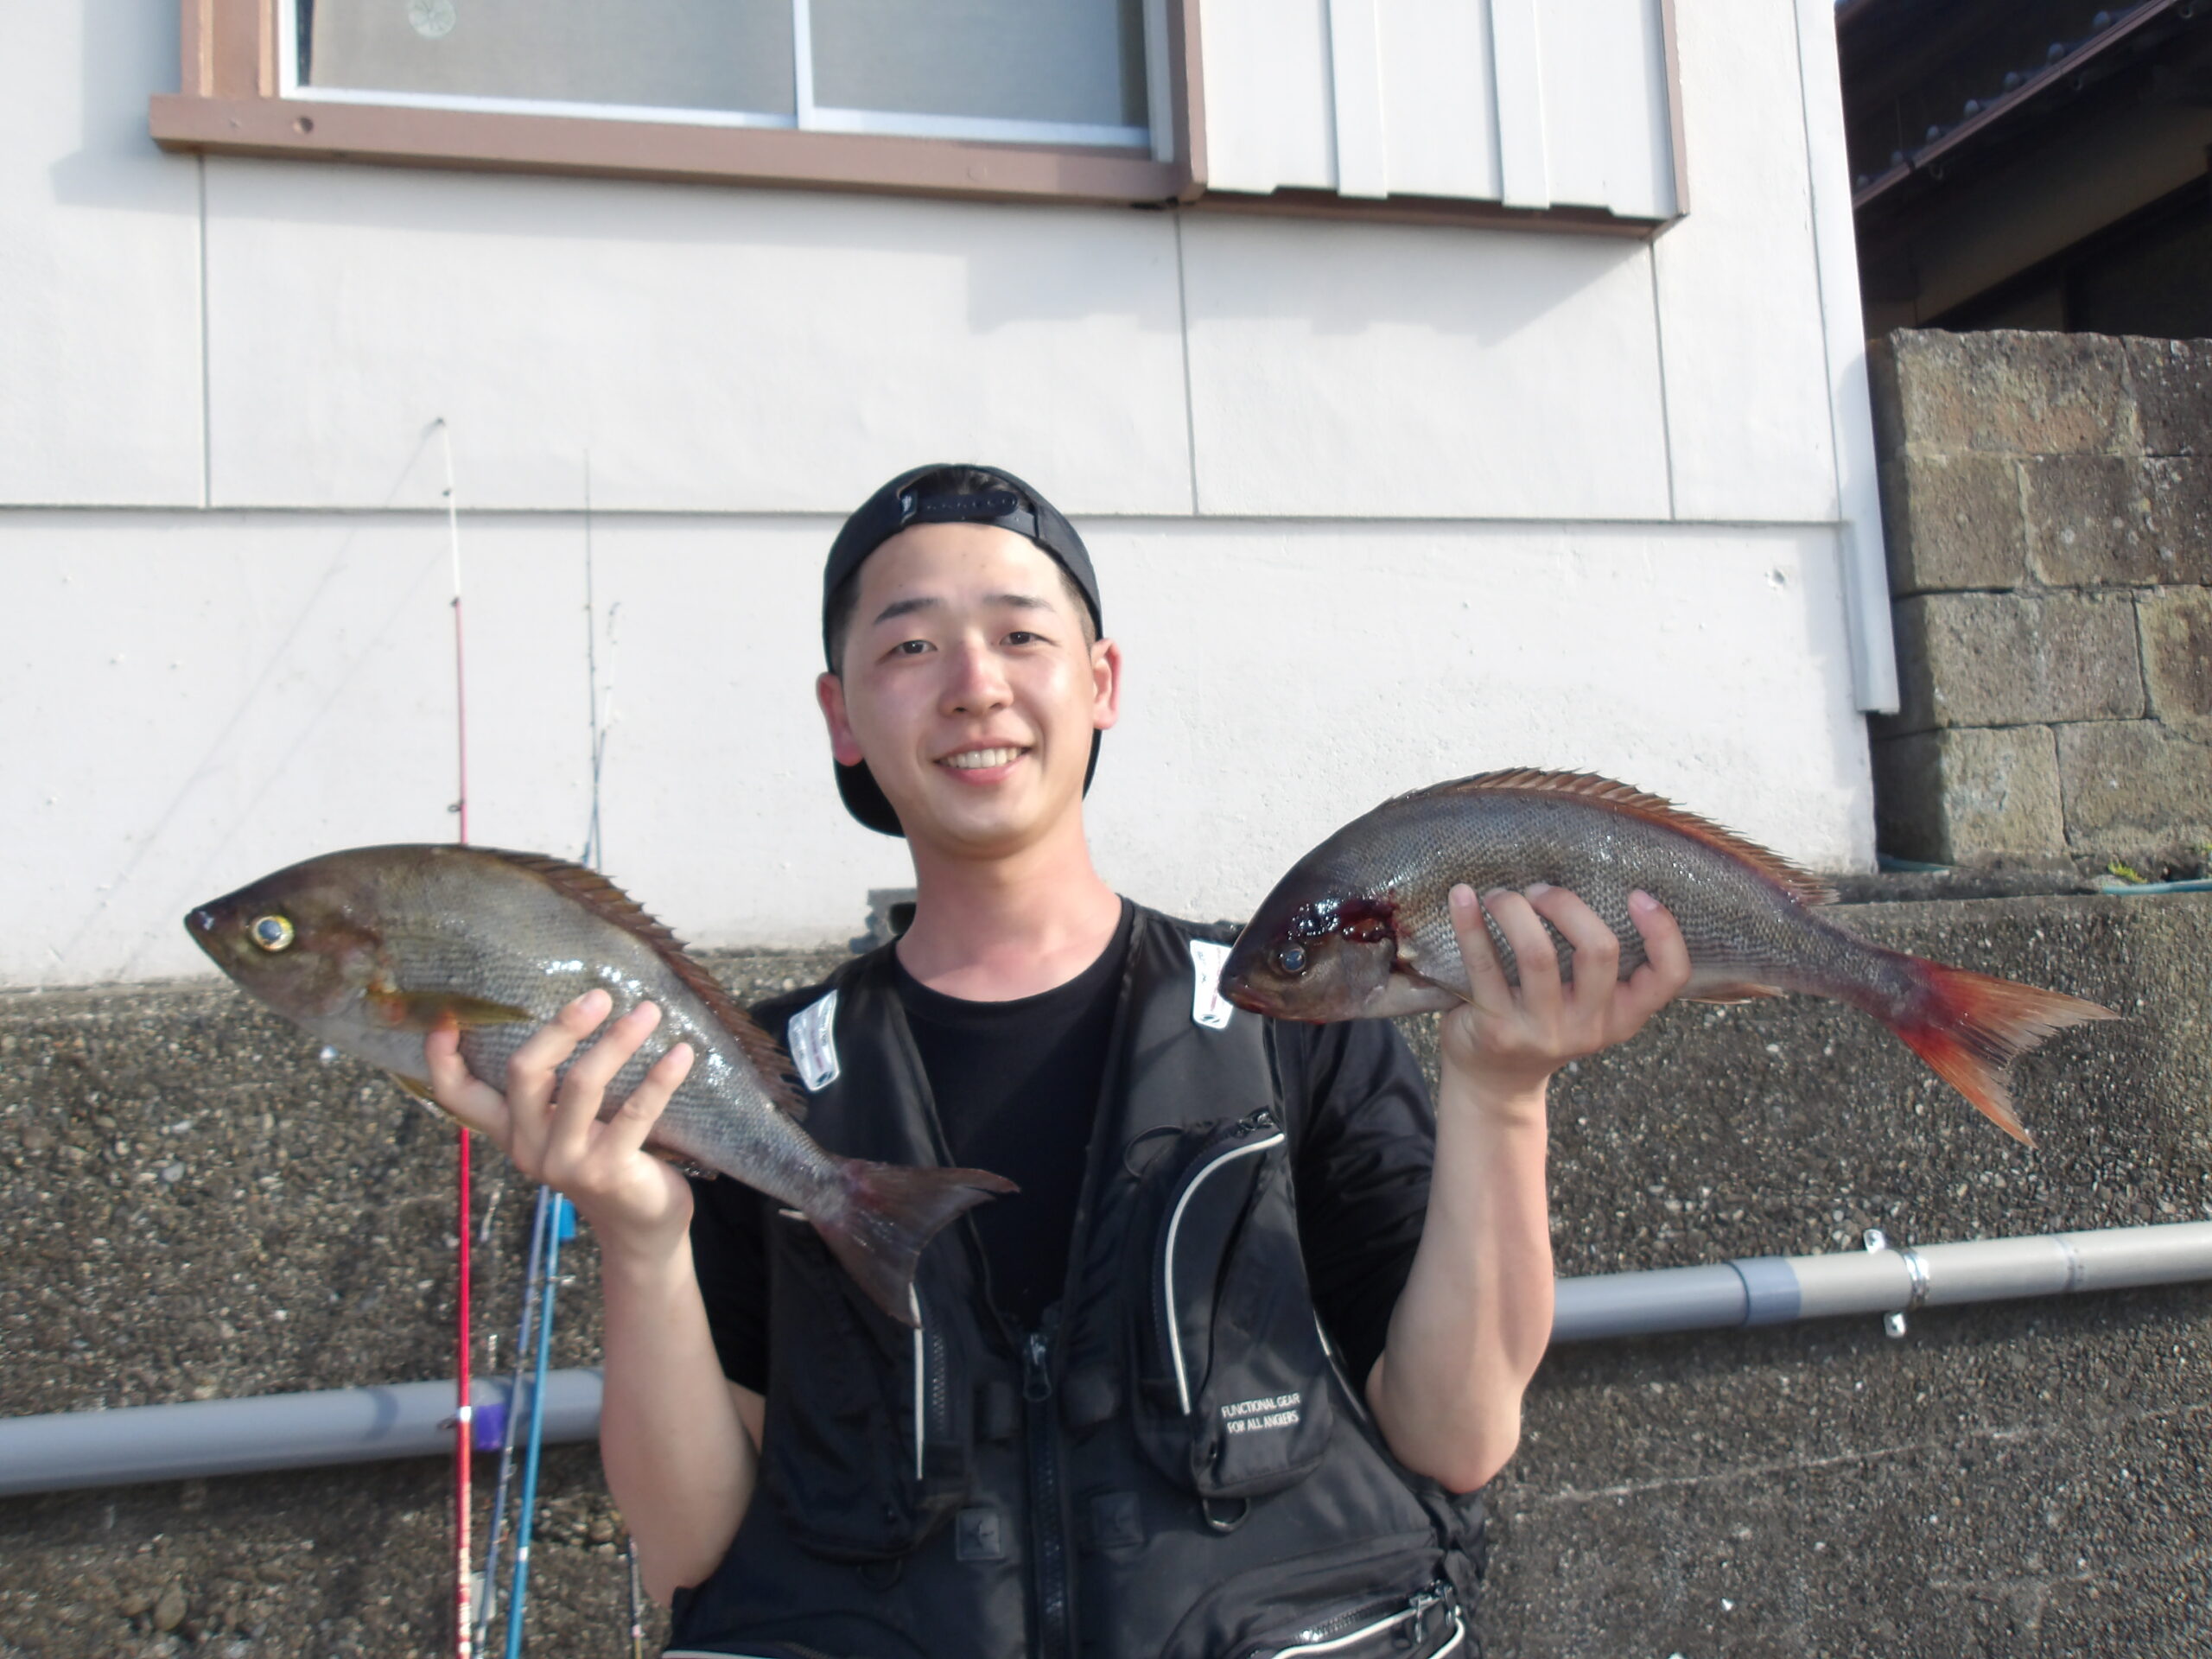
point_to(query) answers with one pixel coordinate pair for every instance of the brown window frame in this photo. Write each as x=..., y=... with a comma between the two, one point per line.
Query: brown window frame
x=229, y=104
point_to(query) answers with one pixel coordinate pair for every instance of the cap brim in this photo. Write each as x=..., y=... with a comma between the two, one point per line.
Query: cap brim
x=865, y=799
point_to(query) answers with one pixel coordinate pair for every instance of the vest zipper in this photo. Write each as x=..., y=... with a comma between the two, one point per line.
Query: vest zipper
x=921, y=1382
x=1241, y=1133
x=1047, y=1528
x=1348, y=1629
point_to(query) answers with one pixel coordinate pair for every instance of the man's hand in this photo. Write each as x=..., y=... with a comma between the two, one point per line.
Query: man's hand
x=1506, y=1041
x=549, y=1125
x=1476, y=1315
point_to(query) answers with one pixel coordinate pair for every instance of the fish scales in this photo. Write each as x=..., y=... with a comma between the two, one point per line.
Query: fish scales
x=372, y=948
x=1360, y=927
x=543, y=952
x=1737, y=933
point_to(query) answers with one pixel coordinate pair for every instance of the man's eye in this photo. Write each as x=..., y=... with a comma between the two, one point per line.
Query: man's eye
x=1023, y=637
x=910, y=647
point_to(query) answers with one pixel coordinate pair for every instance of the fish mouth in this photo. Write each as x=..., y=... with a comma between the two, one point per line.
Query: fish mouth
x=1234, y=983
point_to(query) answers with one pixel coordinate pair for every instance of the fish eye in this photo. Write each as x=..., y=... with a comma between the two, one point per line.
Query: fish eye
x=1291, y=958
x=271, y=932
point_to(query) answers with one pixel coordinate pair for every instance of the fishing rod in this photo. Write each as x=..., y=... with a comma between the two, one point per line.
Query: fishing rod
x=561, y=1223
x=637, y=1600
x=464, y=1411
x=511, y=1416
x=518, y=1589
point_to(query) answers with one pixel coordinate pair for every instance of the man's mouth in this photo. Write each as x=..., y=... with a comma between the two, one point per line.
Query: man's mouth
x=981, y=759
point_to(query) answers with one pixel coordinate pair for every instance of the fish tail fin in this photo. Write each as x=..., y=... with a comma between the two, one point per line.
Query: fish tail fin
x=1971, y=1027
x=890, y=1211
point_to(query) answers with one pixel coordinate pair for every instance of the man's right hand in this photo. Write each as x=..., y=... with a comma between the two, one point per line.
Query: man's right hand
x=550, y=1124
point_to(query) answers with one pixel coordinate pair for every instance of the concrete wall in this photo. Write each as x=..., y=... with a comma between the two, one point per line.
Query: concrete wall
x=2050, y=545
x=1373, y=505
x=198, y=1207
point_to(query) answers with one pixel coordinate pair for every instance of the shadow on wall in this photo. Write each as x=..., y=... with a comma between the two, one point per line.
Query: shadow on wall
x=125, y=52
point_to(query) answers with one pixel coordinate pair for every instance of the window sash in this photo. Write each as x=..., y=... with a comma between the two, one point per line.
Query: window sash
x=809, y=115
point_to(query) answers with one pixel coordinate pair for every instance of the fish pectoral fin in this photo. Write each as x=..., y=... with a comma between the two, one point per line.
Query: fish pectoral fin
x=428, y=1010
x=420, y=1092
x=1729, y=995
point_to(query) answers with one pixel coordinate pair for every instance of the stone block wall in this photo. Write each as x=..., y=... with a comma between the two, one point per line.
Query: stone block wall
x=2048, y=507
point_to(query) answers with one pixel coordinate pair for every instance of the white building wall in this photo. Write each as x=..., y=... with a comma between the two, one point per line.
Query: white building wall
x=1372, y=505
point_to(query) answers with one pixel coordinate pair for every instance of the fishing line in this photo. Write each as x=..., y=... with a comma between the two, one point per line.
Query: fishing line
x=464, y=1412
x=556, y=1217
x=533, y=1285
x=599, y=718
x=594, y=853
x=518, y=1589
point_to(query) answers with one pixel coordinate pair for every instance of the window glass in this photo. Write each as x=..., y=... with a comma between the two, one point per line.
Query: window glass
x=695, y=54
x=1080, y=61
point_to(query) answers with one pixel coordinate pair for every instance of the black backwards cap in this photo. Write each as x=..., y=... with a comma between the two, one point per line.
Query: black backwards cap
x=907, y=500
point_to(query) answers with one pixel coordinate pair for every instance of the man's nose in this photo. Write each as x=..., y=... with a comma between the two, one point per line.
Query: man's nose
x=978, y=679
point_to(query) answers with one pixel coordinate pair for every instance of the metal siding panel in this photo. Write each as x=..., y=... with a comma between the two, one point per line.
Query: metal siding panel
x=1422, y=371
x=1738, y=283
x=1269, y=112
x=1516, y=50
x=1370, y=658
x=712, y=351
x=1439, y=102
x=99, y=267
x=285, y=684
x=1355, y=78
x=1604, y=108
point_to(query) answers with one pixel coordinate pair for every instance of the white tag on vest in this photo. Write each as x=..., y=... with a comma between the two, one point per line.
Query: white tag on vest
x=811, y=1037
x=1207, y=1008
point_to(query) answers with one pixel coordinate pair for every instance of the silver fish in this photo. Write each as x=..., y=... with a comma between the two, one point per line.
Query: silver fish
x=370, y=949
x=1361, y=927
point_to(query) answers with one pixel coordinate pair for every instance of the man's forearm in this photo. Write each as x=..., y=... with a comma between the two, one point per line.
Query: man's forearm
x=1475, y=1317
x=678, y=1460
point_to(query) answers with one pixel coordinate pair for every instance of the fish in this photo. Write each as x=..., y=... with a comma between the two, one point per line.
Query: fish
x=370, y=949
x=1361, y=927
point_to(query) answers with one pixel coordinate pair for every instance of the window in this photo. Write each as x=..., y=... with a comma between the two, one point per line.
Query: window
x=1448, y=112
x=1071, y=98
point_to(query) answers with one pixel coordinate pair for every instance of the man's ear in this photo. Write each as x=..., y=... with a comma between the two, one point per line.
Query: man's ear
x=830, y=692
x=1105, y=684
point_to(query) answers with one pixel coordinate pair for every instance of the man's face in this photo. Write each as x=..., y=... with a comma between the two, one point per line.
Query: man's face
x=968, y=688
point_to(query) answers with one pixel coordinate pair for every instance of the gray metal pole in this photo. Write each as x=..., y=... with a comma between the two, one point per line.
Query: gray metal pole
x=272, y=1430
x=303, y=1431
x=1775, y=1289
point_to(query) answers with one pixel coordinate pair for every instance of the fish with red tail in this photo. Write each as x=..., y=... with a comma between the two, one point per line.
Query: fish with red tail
x=370, y=950
x=1362, y=925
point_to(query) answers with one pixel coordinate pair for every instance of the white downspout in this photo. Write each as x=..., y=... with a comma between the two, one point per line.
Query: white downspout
x=1835, y=253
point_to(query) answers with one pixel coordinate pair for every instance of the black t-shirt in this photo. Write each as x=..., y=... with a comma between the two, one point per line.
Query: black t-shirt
x=1017, y=1084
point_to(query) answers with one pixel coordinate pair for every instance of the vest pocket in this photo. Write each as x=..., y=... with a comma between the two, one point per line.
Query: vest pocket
x=1361, y=1601
x=1233, y=1401
x=866, y=1452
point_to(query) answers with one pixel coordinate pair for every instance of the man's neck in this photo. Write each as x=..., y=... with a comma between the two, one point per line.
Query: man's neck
x=991, y=930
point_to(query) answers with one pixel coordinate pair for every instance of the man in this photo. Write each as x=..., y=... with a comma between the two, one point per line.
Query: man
x=1209, y=1383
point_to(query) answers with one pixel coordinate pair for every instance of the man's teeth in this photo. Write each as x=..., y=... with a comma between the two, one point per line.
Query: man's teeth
x=976, y=759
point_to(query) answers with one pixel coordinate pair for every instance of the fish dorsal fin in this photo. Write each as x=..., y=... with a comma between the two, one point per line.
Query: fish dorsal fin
x=609, y=902
x=1800, y=885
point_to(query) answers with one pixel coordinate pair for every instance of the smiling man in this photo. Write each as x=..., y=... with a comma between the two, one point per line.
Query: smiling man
x=1214, y=1380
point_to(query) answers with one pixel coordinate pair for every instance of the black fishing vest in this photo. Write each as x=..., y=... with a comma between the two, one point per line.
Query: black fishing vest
x=1173, y=1466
